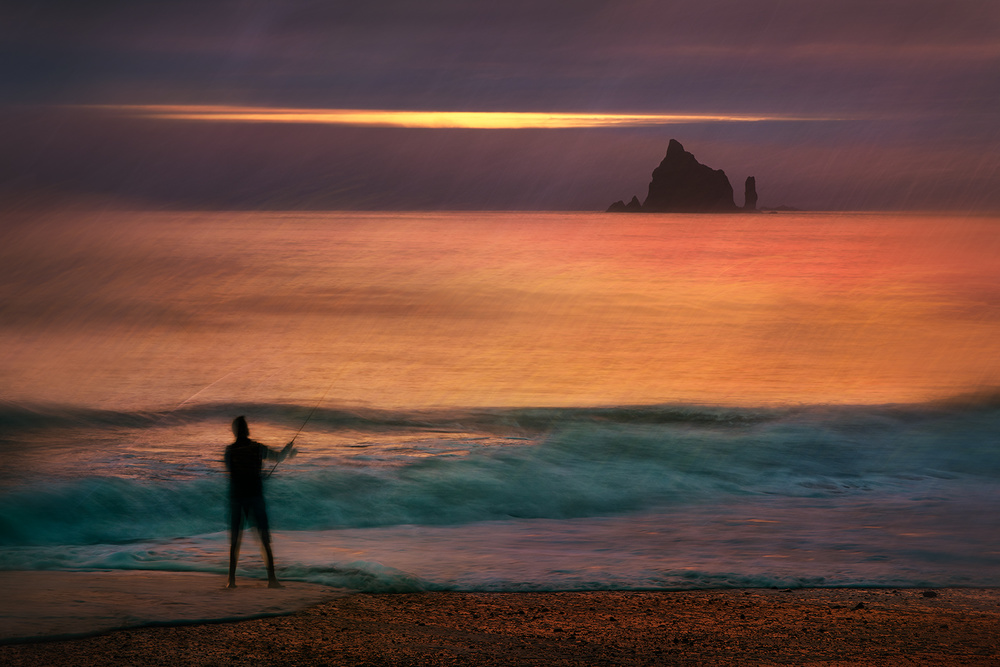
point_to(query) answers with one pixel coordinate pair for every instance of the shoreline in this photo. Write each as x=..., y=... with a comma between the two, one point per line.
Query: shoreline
x=830, y=626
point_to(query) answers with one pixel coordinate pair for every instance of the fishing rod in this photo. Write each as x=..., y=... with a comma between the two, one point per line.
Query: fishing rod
x=308, y=417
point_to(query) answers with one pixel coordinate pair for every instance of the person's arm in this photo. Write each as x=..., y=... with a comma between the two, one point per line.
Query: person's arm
x=278, y=456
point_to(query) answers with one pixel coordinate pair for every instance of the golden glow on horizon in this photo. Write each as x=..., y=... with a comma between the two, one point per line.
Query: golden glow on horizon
x=480, y=120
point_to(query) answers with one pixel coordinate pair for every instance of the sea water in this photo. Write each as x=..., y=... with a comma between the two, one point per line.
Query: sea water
x=508, y=401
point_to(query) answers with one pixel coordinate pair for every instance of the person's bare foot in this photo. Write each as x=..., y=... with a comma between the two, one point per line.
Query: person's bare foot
x=231, y=584
x=274, y=583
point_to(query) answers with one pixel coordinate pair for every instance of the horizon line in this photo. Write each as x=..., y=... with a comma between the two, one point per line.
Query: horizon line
x=480, y=120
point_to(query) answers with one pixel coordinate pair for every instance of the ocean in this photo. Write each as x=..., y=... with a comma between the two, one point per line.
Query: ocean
x=507, y=401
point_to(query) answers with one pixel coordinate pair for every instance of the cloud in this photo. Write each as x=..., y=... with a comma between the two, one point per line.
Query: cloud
x=516, y=55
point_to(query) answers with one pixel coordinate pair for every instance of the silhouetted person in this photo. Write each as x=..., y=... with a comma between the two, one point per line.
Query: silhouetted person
x=244, y=461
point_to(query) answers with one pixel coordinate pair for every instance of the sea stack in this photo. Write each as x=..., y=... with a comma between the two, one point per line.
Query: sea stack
x=621, y=207
x=681, y=184
x=750, y=194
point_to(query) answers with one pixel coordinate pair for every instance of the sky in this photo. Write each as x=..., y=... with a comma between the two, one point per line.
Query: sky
x=541, y=104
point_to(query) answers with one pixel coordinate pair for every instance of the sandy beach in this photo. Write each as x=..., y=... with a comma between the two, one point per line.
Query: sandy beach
x=719, y=627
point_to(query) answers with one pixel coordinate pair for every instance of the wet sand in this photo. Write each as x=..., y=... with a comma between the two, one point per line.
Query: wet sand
x=38, y=605
x=731, y=627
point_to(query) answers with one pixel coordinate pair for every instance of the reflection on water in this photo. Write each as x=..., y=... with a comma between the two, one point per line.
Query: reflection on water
x=130, y=310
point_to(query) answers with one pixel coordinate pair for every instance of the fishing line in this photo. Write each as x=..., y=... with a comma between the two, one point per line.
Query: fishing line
x=308, y=417
x=210, y=385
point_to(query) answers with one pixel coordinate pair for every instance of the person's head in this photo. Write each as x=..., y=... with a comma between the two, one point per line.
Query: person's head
x=240, y=428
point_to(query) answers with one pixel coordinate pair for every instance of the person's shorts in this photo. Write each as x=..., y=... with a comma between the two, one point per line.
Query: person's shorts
x=252, y=507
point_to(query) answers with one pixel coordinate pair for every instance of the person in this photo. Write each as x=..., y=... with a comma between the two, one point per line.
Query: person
x=244, y=462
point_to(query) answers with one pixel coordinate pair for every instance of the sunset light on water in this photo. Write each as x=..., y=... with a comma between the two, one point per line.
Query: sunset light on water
x=471, y=374
x=503, y=309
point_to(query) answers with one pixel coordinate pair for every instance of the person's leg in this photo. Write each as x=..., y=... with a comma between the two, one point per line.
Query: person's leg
x=236, y=512
x=260, y=518
x=272, y=580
